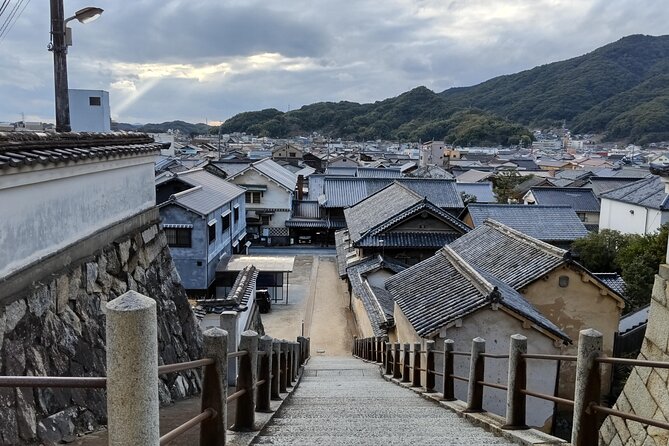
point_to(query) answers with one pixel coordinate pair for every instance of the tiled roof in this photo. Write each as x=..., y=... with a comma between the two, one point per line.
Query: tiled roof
x=378, y=208
x=633, y=320
x=271, y=169
x=339, y=192
x=599, y=185
x=509, y=255
x=613, y=281
x=408, y=239
x=473, y=176
x=306, y=223
x=547, y=223
x=446, y=287
x=238, y=298
x=582, y=200
x=342, y=247
x=371, y=172
x=208, y=193
x=378, y=304
x=29, y=148
x=648, y=192
x=482, y=191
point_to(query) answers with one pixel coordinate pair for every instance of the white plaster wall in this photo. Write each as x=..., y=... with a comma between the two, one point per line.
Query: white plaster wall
x=616, y=215
x=44, y=210
x=89, y=118
x=275, y=197
x=496, y=327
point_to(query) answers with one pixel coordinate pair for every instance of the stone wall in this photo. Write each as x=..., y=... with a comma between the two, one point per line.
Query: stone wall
x=646, y=392
x=57, y=328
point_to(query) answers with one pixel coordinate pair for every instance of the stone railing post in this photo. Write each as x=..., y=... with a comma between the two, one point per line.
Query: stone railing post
x=132, y=370
x=276, y=369
x=517, y=381
x=429, y=367
x=296, y=360
x=448, y=371
x=303, y=349
x=585, y=425
x=379, y=350
x=289, y=364
x=397, y=364
x=388, y=358
x=265, y=390
x=372, y=349
x=283, y=363
x=228, y=322
x=406, y=363
x=476, y=374
x=355, y=346
x=248, y=370
x=416, y=365
x=215, y=387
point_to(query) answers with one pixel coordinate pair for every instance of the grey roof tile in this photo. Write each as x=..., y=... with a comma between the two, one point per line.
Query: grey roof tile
x=482, y=191
x=582, y=200
x=208, y=193
x=648, y=192
x=547, y=223
x=271, y=169
x=446, y=287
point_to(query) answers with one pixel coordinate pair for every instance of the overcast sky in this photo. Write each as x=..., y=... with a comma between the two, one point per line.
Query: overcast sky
x=200, y=60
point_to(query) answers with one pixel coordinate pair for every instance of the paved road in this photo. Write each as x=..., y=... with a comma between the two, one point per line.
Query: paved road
x=344, y=401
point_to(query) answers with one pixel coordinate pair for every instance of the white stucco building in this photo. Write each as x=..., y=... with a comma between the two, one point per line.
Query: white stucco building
x=637, y=208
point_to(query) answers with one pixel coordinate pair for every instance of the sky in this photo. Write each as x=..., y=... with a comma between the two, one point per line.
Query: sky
x=207, y=60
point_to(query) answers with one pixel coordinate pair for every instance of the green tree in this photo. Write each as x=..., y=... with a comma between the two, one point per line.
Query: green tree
x=504, y=184
x=467, y=198
x=598, y=251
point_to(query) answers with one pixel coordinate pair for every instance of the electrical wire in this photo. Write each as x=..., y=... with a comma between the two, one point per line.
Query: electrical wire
x=2, y=36
x=3, y=7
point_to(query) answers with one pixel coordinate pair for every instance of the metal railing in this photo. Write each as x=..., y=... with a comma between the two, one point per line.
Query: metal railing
x=267, y=367
x=403, y=363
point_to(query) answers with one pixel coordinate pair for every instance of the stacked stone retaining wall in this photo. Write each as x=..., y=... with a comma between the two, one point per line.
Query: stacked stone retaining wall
x=646, y=392
x=56, y=327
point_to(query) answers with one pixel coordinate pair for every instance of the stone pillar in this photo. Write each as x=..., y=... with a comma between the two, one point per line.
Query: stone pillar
x=416, y=365
x=132, y=371
x=283, y=383
x=406, y=363
x=248, y=373
x=276, y=369
x=397, y=370
x=355, y=346
x=296, y=362
x=587, y=388
x=303, y=349
x=517, y=380
x=215, y=386
x=429, y=366
x=448, y=370
x=228, y=322
x=476, y=373
x=388, y=358
x=265, y=374
x=289, y=364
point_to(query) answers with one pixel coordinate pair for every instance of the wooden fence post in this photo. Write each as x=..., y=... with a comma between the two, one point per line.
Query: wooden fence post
x=517, y=380
x=248, y=373
x=448, y=370
x=416, y=365
x=476, y=374
x=215, y=387
x=585, y=425
x=429, y=367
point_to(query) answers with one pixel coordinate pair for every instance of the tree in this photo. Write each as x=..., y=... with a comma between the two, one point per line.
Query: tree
x=504, y=184
x=598, y=251
x=467, y=198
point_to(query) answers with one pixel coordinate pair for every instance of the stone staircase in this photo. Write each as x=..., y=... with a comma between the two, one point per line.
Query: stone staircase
x=345, y=401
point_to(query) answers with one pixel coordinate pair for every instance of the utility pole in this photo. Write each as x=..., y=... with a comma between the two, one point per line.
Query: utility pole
x=59, y=49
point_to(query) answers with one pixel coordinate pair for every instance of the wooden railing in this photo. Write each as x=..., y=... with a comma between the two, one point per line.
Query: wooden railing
x=266, y=368
x=403, y=363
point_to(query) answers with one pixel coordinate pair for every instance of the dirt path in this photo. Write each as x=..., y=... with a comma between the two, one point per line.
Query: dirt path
x=329, y=321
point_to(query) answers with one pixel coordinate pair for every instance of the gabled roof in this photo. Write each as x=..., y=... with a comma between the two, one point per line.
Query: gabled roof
x=446, y=287
x=473, y=176
x=600, y=185
x=208, y=193
x=482, y=191
x=648, y=192
x=613, y=281
x=270, y=169
x=508, y=254
x=582, y=200
x=340, y=192
x=377, y=302
x=547, y=223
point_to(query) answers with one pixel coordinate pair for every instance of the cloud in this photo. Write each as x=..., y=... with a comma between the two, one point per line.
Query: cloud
x=179, y=59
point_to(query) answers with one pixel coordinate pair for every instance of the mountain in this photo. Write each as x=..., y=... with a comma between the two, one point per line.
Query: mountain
x=620, y=90
x=184, y=127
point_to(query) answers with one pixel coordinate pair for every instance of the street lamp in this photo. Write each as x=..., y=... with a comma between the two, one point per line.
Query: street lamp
x=60, y=39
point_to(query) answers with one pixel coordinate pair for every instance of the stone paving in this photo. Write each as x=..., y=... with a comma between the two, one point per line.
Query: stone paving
x=345, y=401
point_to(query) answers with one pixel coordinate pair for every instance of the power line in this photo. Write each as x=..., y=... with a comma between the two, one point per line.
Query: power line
x=3, y=7
x=2, y=36
x=9, y=18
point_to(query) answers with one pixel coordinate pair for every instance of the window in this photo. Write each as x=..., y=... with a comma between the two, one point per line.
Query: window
x=212, y=232
x=236, y=216
x=178, y=238
x=581, y=215
x=225, y=219
x=95, y=101
x=265, y=219
x=292, y=154
x=253, y=197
